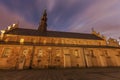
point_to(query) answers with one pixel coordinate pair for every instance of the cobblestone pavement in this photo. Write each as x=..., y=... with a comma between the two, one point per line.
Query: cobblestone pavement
x=62, y=74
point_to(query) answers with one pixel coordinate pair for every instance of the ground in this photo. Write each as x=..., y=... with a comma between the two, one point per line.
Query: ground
x=62, y=74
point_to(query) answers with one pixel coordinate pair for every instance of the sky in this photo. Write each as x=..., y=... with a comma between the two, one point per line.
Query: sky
x=64, y=15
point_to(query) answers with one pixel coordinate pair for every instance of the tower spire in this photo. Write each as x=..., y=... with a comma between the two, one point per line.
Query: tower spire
x=43, y=23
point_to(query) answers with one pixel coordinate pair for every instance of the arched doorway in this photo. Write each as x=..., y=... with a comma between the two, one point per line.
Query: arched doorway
x=21, y=62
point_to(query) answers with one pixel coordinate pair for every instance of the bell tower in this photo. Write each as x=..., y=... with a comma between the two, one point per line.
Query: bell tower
x=43, y=23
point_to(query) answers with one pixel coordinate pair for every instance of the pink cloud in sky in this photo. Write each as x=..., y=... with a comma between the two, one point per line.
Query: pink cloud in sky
x=104, y=16
x=65, y=15
x=8, y=17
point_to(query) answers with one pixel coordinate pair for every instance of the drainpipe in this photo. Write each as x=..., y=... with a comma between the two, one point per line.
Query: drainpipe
x=32, y=55
x=84, y=57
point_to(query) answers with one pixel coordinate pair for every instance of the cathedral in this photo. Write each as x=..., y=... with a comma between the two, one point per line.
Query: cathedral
x=22, y=48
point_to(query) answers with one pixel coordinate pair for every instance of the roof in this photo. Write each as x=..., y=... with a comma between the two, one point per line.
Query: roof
x=33, y=32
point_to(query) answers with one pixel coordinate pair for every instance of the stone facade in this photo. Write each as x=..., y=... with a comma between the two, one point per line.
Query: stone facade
x=21, y=56
x=40, y=49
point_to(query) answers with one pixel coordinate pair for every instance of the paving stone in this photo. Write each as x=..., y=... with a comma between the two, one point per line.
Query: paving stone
x=62, y=74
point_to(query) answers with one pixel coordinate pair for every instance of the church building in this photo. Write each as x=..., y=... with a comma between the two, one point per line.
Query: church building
x=39, y=48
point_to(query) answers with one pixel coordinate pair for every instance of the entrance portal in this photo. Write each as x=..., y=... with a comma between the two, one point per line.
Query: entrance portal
x=21, y=62
x=67, y=60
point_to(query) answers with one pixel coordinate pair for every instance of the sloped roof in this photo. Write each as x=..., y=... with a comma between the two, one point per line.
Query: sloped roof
x=33, y=32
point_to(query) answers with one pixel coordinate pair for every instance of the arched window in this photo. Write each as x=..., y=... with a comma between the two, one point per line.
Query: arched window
x=63, y=41
x=56, y=41
x=7, y=39
x=106, y=53
x=40, y=40
x=40, y=53
x=25, y=52
x=75, y=42
x=44, y=41
x=118, y=54
x=99, y=43
x=33, y=40
x=6, y=52
x=92, y=53
x=76, y=53
x=57, y=53
x=21, y=40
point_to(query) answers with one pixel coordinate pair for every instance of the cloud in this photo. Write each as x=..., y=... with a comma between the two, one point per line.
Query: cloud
x=62, y=11
x=8, y=17
x=104, y=16
x=64, y=15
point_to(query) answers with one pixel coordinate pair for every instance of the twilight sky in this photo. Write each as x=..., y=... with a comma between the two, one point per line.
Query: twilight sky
x=64, y=15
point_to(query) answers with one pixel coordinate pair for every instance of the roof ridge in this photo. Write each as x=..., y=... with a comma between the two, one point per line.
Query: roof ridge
x=34, y=32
